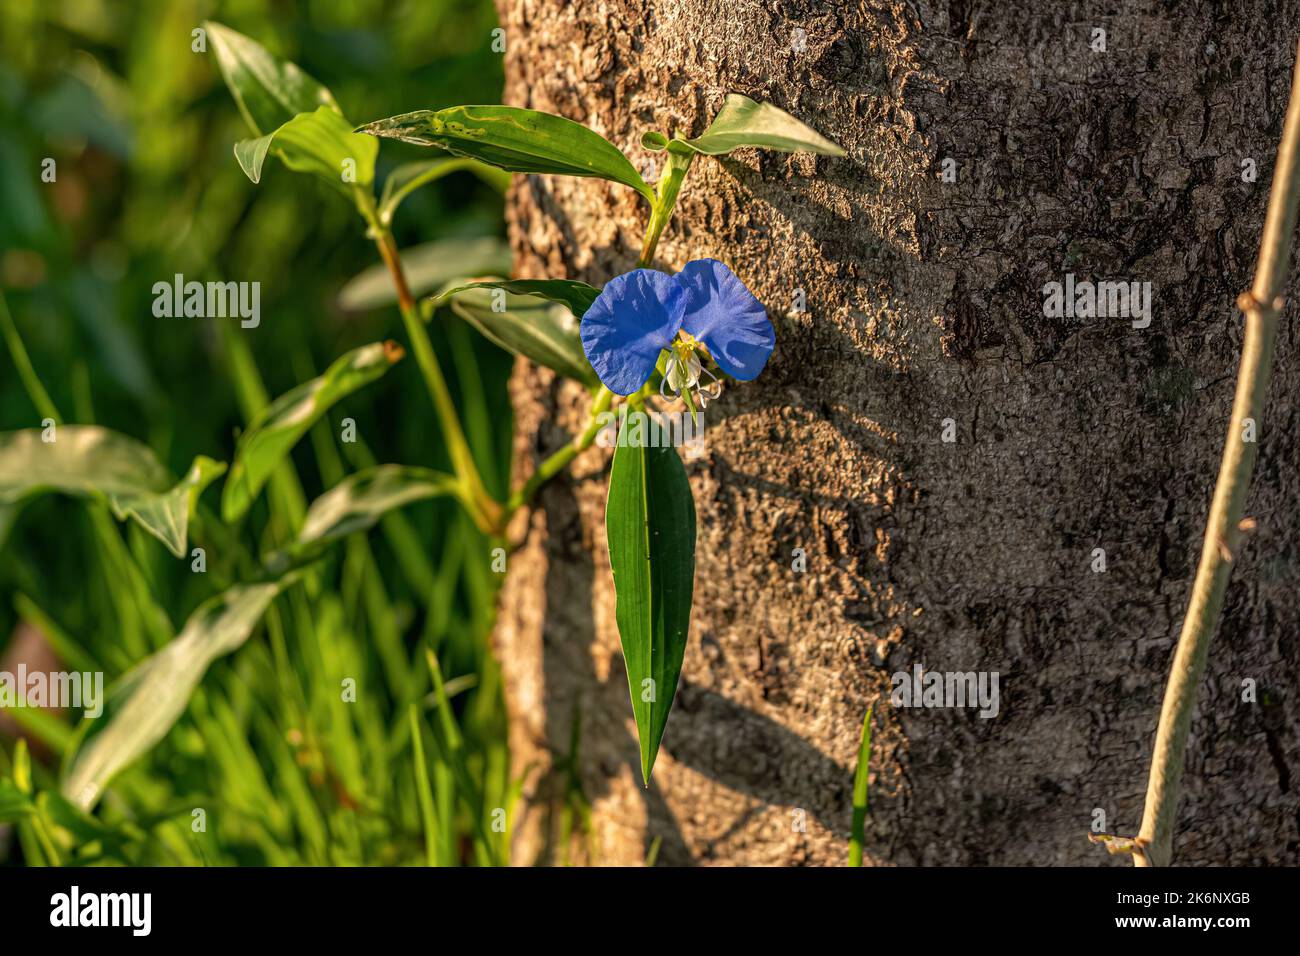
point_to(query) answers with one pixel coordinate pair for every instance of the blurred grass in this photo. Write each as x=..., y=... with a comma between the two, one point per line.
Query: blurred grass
x=284, y=769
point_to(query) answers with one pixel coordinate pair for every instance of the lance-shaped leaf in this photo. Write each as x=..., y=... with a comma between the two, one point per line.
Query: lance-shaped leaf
x=90, y=461
x=150, y=698
x=321, y=143
x=650, y=525
x=577, y=297
x=518, y=140
x=409, y=177
x=355, y=504
x=427, y=267
x=543, y=331
x=269, y=91
x=743, y=122
x=289, y=417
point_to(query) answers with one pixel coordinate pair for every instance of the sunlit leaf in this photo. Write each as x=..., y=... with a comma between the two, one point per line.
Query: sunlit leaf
x=543, y=331
x=289, y=417
x=577, y=297
x=167, y=515
x=427, y=267
x=151, y=697
x=321, y=143
x=356, y=503
x=650, y=525
x=269, y=91
x=743, y=122
x=88, y=460
x=653, y=141
x=515, y=139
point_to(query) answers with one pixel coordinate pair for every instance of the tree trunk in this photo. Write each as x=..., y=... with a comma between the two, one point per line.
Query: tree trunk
x=924, y=315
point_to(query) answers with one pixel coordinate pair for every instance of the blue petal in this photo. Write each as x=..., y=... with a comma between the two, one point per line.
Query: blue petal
x=633, y=319
x=726, y=317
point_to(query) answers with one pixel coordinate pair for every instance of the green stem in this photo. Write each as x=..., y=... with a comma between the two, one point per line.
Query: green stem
x=670, y=184
x=661, y=212
x=1223, y=532
x=485, y=511
x=553, y=465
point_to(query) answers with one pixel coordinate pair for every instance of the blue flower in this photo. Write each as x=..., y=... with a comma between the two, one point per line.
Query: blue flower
x=704, y=308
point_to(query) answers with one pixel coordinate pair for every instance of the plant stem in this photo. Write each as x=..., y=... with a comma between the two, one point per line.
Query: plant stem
x=670, y=184
x=1223, y=531
x=661, y=212
x=553, y=465
x=485, y=511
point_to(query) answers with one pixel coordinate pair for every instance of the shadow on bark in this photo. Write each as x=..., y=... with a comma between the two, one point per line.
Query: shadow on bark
x=707, y=725
x=580, y=776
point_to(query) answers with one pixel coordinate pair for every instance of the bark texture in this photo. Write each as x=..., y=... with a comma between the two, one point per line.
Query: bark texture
x=924, y=303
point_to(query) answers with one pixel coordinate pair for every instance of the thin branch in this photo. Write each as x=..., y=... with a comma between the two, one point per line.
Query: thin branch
x=1224, y=530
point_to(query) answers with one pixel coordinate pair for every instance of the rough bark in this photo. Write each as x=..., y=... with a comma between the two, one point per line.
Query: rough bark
x=924, y=303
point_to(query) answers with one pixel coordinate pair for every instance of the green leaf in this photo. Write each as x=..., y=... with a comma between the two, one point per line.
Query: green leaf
x=60, y=811
x=290, y=416
x=81, y=459
x=577, y=297
x=167, y=515
x=743, y=122
x=860, y=777
x=321, y=143
x=545, y=332
x=269, y=91
x=356, y=503
x=150, y=698
x=90, y=461
x=655, y=142
x=427, y=267
x=14, y=804
x=650, y=524
x=408, y=177
x=518, y=140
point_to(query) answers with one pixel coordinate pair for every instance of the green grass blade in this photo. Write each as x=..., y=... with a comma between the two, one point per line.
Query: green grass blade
x=26, y=372
x=860, y=777
x=422, y=788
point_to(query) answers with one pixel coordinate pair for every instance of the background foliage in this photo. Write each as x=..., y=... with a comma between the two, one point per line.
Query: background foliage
x=141, y=129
